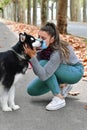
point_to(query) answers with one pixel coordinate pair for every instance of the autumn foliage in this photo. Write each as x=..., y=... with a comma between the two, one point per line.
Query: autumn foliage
x=79, y=44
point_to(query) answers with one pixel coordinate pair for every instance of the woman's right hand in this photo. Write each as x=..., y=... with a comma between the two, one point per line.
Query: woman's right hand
x=29, y=51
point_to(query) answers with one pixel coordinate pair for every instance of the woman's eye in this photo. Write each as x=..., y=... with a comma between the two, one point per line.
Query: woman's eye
x=40, y=37
x=43, y=38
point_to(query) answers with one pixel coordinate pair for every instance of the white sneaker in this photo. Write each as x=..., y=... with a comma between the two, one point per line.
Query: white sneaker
x=56, y=104
x=65, y=90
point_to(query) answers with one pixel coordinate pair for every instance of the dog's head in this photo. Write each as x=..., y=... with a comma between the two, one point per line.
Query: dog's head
x=24, y=38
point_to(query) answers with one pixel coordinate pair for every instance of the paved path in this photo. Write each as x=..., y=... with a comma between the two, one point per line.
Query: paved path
x=77, y=29
x=32, y=115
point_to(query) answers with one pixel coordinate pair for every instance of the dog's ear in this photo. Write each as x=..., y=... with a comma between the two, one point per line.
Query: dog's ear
x=25, y=33
x=22, y=37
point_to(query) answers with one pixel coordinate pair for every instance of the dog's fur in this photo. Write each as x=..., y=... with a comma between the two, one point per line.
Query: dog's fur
x=13, y=62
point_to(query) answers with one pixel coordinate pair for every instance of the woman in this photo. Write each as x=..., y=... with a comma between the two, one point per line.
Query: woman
x=56, y=64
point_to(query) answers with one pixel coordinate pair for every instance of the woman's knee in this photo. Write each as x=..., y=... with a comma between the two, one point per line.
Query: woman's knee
x=68, y=73
x=37, y=87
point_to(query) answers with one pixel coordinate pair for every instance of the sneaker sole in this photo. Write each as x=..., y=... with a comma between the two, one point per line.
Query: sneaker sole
x=57, y=107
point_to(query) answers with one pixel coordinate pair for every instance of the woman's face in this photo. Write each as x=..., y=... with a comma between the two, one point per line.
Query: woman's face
x=45, y=36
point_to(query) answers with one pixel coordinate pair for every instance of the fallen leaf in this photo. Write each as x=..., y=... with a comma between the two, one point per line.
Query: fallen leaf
x=74, y=93
x=86, y=107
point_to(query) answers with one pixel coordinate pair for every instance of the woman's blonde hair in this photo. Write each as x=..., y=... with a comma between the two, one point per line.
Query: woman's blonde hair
x=58, y=44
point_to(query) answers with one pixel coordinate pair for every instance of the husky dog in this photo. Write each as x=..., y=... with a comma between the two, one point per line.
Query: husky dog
x=12, y=63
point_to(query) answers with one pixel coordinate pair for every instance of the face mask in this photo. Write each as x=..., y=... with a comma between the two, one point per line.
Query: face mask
x=43, y=45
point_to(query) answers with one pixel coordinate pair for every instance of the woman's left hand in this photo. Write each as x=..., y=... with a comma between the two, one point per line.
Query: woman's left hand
x=29, y=51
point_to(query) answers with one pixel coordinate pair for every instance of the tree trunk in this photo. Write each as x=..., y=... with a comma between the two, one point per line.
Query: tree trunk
x=18, y=11
x=57, y=6
x=29, y=11
x=1, y=11
x=14, y=11
x=47, y=9
x=34, y=12
x=75, y=10
x=62, y=16
x=21, y=14
x=52, y=5
x=84, y=11
x=43, y=12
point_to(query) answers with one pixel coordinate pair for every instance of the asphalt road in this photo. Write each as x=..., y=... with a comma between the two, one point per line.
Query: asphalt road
x=77, y=29
x=32, y=115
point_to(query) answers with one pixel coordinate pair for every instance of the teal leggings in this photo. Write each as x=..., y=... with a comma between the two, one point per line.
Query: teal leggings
x=64, y=74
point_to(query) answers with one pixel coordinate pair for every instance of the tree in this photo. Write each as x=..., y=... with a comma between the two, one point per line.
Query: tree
x=84, y=10
x=57, y=5
x=62, y=16
x=29, y=11
x=14, y=10
x=34, y=12
x=43, y=12
x=75, y=10
x=51, y=8
x=1, y=12
x=20, y=11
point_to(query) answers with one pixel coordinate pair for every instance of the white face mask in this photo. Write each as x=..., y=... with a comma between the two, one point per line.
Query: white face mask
x=40, y=43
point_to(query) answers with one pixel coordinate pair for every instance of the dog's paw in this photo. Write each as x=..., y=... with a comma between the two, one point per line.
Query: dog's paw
x=6, y=109
x=15, y=107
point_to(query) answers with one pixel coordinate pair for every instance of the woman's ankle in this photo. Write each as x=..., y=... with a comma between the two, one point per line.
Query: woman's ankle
x=63, y=85
x=59, y=96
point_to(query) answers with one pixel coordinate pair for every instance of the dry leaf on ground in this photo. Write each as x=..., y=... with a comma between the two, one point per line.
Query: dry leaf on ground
x=73, y=93
x=86, y=107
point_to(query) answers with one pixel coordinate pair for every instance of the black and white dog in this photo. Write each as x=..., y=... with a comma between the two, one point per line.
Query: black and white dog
x=13, y=62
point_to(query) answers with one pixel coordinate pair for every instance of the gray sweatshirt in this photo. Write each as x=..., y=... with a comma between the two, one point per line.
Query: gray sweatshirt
x=55, y=60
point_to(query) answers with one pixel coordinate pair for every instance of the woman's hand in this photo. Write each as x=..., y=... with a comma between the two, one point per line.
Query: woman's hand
x=29, y=51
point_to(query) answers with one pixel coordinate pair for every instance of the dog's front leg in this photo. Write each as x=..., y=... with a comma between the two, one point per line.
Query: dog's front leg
x=11, y=99
x=4, y=101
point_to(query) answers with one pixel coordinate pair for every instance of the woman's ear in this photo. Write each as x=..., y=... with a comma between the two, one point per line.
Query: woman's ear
x=52, y=40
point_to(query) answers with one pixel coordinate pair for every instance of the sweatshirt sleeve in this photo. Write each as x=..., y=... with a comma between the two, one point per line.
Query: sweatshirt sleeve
x=47, y=71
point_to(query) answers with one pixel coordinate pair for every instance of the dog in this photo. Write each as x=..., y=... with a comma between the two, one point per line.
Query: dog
x=13, y=62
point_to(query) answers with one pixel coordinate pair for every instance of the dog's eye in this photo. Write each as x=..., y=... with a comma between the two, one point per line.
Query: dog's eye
x=32, y=38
